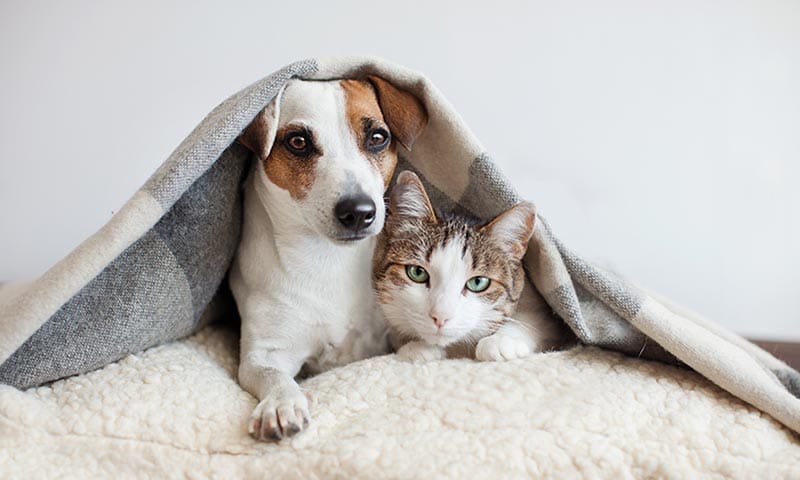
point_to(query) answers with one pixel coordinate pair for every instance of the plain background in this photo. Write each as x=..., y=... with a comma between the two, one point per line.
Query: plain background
x=661, y=139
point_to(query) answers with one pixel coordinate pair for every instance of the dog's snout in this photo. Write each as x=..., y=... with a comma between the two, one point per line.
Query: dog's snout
x=355, y=213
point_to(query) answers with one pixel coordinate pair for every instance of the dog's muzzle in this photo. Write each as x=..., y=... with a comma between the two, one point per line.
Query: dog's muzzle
x=355, y=213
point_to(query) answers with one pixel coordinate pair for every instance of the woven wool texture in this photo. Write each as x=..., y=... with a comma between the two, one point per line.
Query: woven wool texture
x=148, y=275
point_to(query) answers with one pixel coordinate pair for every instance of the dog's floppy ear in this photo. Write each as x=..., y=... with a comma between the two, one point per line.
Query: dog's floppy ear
x=404, y=113
x=409, y=200
x=513, y=228
x=260, y=134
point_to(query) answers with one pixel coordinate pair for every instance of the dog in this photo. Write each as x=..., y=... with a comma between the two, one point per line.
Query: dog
x=324, y=154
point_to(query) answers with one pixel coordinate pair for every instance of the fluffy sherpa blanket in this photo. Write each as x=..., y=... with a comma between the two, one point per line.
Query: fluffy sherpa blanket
x=150, y=275
x=176, y=411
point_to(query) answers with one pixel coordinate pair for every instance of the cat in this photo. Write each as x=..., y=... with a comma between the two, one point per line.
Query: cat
x=449, y=286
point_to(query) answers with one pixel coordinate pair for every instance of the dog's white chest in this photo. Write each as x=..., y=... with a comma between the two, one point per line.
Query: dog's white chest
x=343, y=322
x=311, y=298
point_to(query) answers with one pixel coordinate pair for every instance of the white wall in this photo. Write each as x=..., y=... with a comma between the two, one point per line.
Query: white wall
x=662, y=140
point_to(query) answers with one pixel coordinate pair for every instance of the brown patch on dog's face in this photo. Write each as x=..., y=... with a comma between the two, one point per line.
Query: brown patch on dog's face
x=366, y=121
x=292, y=160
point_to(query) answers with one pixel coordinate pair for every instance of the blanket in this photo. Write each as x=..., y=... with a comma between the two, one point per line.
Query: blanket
x=176, y=411
x=152, y=274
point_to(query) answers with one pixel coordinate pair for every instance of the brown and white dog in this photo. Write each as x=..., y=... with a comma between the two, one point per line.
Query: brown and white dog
x=313, y=202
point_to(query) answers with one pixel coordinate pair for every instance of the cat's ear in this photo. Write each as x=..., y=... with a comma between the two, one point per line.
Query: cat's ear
x=513, y=228
x=409, y=200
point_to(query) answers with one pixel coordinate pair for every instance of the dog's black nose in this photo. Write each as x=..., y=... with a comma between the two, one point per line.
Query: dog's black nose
x=356, y=212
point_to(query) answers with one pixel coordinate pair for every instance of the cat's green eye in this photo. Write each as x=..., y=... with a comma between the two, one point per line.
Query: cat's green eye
x=417, y=274
x=478, y=284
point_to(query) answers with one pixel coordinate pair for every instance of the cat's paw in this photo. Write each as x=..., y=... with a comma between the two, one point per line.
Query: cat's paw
x=498, y=347
x=419, y=352
x=282, y=414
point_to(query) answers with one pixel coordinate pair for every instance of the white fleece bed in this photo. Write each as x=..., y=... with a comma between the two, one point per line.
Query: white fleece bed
x=177, y=411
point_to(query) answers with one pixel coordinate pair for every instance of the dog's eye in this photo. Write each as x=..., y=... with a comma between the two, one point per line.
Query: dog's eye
x=377, y=139
x=298, y=143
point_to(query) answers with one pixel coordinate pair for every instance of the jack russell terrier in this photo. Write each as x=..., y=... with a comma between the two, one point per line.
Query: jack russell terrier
x=325, y=152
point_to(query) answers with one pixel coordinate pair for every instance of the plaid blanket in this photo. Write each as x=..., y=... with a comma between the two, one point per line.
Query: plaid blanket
x=156, y=271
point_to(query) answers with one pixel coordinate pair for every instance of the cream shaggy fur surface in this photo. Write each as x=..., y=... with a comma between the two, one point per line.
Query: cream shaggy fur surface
x=177, y=411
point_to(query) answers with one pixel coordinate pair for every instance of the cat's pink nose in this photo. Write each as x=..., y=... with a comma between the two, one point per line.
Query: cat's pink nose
x=439, y=320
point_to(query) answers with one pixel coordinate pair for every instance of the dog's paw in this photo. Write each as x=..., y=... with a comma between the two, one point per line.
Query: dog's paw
x=278, y=416
x=498, y=347
x=419, y=352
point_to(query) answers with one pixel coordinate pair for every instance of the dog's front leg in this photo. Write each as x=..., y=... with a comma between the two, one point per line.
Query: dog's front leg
x=282, y=410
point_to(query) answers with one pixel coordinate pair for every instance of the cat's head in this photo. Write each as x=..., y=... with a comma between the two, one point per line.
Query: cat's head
x=443, y=279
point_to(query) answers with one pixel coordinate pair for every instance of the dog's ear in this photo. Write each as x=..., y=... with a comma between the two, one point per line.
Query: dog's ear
x=260, y=134
x=404, y=113
x=409, y=200
x=513, y=228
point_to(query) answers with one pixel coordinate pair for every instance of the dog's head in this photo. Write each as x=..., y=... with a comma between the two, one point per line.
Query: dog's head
x=328, y=149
